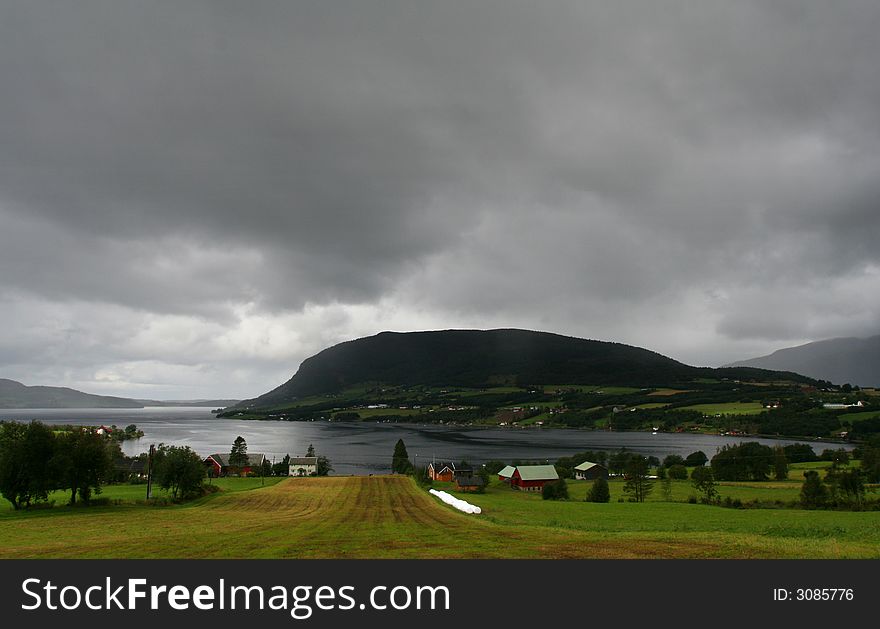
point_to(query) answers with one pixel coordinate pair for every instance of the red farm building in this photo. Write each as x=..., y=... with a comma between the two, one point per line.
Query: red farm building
x=533, y=477
x=218, y=465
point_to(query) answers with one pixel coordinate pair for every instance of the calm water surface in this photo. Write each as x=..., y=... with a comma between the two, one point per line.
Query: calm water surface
x=365, y=448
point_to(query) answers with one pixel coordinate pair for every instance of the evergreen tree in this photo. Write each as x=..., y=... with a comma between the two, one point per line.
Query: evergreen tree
x=311, y=450
x=238, y=457
x=400, y=459
x=599, y=491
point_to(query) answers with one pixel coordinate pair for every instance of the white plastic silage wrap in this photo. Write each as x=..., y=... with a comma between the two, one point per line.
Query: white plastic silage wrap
x=458, y=503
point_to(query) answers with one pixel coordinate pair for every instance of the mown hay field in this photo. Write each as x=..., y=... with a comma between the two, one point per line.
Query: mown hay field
x=390, y=517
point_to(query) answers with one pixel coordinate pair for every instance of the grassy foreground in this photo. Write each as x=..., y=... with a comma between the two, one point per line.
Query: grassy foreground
x=389, y=517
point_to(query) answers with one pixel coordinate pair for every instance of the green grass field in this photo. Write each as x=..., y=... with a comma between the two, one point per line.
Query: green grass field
x=386, y=517
x=136, y=493
x=728, y=408
x=856, y=417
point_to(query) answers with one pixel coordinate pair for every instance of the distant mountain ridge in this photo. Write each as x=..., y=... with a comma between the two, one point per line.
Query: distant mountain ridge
x=477, y=358
x=14, y=394
x=841, y=360
x=17, y=395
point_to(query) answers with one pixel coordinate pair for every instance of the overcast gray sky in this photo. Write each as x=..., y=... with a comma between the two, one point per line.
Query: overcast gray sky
x=196, y=196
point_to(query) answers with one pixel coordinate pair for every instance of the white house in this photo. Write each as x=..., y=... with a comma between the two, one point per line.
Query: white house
x=303, y=466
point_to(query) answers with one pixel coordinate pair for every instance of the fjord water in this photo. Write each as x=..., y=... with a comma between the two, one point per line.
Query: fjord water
x=366, y=447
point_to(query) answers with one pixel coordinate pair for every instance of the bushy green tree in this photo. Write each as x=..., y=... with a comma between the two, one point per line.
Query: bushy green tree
x=746, y=461
x=672, y=459
x=695, y=459
x=677, y=472
x=814, y=494
x=800, y=453
x=599, y=491
x=83, y=463
x=323, y=468
x=555, y=490
x=26, y=453
x=179, y=470
x=704, y=482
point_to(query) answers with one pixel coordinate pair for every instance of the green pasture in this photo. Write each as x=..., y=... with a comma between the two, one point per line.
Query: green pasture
x=727, y=408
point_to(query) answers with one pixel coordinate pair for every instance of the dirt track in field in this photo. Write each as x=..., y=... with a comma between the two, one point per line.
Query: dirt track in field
x=358, y=517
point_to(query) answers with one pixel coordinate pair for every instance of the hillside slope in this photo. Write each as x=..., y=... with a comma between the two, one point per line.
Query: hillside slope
x=852, y=360
x=477, y=358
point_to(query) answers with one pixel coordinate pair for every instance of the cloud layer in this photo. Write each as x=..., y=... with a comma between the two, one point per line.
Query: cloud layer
x=194, y=196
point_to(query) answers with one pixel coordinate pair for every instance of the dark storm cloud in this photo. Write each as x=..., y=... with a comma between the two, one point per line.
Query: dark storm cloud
x=682, y=175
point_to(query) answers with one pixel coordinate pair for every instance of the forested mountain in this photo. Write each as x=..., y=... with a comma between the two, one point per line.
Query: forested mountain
x=478, y=358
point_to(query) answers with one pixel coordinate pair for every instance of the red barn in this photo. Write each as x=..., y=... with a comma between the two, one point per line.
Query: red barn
x=506, y=473
x=533, y=477
x=218, y=465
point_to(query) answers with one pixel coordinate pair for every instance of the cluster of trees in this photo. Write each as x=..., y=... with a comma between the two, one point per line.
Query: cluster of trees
x=842, y=487
x=749, y=461
x=36, y=460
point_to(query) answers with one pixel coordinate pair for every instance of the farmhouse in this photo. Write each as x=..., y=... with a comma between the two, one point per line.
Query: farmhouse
x=303, y=466
x=590, y=471
x=506, y=473
x=441, y=470
x=533, y=477
x=218, y=465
